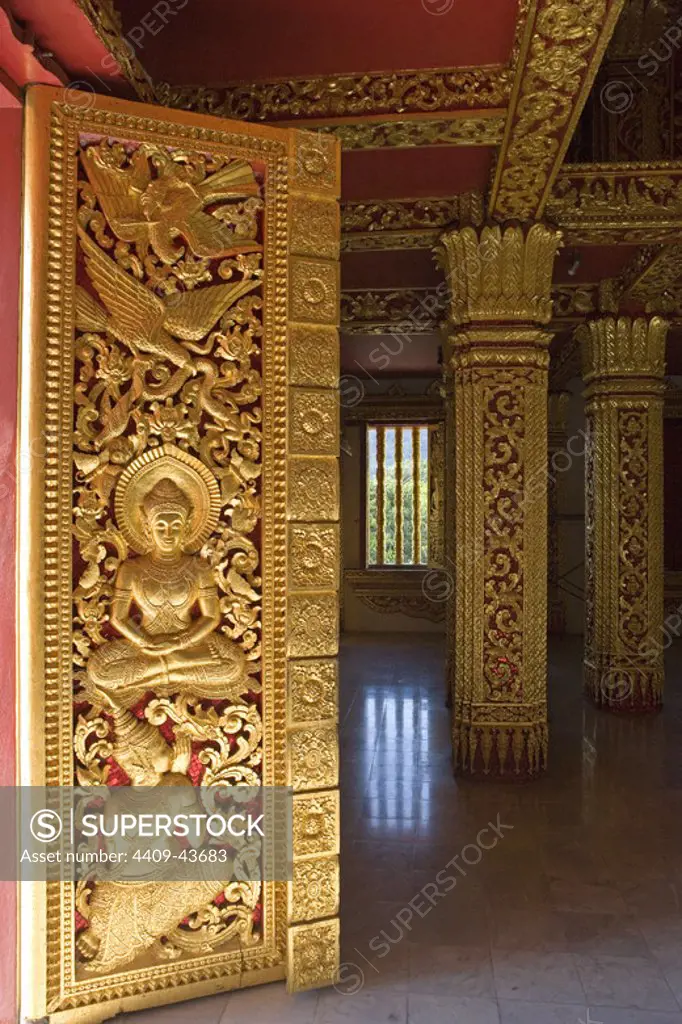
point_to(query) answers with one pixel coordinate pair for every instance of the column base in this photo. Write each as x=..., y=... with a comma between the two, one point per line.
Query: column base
x=509, y=752
x=623, y=686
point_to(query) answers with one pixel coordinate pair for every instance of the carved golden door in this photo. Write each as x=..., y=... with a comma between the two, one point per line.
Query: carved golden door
x=178, y=529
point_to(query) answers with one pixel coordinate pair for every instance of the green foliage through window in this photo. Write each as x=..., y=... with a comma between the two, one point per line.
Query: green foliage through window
x=397, y=495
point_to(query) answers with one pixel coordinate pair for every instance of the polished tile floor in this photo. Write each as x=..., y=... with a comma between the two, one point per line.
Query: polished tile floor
x=553, y=902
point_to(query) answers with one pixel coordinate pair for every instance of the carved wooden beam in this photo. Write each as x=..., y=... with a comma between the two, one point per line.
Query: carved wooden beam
x=393, y=310
x=621, y=204
x=106, y=21
x=464, y=128
x=405, y=223
x=350, y=96
x=562, y=47
x=593, y=204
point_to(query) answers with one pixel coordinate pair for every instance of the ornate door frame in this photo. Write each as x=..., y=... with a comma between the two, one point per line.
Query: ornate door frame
x=67, y=384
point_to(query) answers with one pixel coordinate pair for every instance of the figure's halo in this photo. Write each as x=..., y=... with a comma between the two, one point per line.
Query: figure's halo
x=188, y=473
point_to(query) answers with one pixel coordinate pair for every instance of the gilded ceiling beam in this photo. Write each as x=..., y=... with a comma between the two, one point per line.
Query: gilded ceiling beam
x=405, y=223
x=593, y=204
x=614, y=291
x=562, y=47
x=621, y=204
x=429, y=91
x=402, y=311
x=421, y=310
x=469, y=129
x=658, y=287
x=106, y=21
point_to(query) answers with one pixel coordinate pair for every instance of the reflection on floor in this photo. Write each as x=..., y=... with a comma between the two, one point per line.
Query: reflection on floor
x=573, y=913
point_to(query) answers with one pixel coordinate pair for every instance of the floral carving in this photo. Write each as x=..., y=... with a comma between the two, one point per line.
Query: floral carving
x=167, y=374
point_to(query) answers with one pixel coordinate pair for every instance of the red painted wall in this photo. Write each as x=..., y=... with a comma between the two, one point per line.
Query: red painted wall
x=10, y=234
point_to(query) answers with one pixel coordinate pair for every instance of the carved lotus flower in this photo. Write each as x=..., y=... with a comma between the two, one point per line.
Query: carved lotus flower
x=171, y=422
x=113, y=366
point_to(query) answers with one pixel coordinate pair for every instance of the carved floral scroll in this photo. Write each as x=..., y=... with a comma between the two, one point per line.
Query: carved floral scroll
x=155, y=376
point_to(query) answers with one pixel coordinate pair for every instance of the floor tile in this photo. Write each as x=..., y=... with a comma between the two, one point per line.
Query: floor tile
x=208, y=1010
x=423, y=1009
x=361, y=1008
x=451, y=970
x=266, y=1004
x=520, y=1012
x=625, y=981
x=605, y=934
x=536, y=976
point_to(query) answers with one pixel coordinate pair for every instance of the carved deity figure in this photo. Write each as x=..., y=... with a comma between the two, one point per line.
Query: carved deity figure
x=166, y=604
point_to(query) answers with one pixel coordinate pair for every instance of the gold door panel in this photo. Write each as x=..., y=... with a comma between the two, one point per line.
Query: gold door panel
x=178, y=528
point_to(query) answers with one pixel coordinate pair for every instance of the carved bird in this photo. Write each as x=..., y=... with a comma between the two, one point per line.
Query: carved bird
x=153, y=212
x=140, y=319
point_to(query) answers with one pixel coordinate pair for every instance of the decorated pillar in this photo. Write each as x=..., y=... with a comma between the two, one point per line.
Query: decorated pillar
x=449, y=517
x=556, y=606
x=624, y=362
x=500, y=281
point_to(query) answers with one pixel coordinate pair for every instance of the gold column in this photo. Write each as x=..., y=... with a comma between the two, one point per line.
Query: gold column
x=558, y=407
x=500, y=282
x=624, y=364
x=449, y=506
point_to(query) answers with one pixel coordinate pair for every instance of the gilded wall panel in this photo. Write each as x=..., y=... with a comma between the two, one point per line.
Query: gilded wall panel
x=313, y=355
x=313, y=422
x=315, y=163
x=315, y=888
x=314, y=294
x=314, y=555
x=314, y=627
x=154, y=373
x=316, y=824
x=312, y=690
x=313, y=489
x=313, y=758
x=315, y=226
x=314, y=952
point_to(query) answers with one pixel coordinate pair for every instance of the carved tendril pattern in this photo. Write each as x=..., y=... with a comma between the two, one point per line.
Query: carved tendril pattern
x=203, y=398
x=503, y=547
x=632, y=522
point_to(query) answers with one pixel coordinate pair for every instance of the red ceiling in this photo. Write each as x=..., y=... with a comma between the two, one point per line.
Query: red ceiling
x=392, y=268
x=213, y=41
x=364, y=355
x=596, y=262
x=414, y=173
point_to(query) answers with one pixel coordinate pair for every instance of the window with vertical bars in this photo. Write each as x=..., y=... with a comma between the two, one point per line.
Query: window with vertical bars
x=397, y=501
